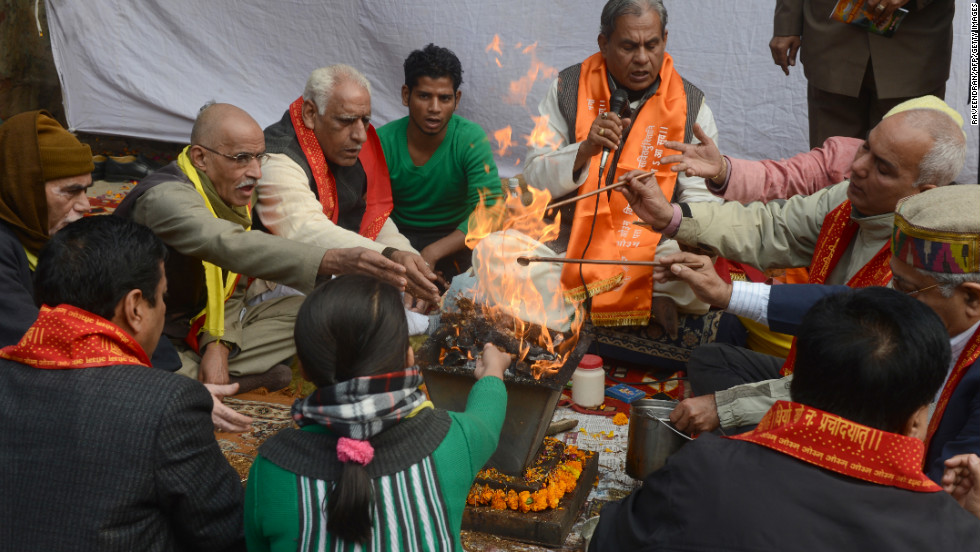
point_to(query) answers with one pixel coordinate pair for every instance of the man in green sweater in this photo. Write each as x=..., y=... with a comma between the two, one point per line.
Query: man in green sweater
x=439, y=162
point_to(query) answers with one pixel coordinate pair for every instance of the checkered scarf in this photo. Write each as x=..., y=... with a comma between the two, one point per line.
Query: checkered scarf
x=361, y=408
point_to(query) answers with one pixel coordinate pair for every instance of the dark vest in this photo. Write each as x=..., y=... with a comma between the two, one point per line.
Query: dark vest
x=351, y=182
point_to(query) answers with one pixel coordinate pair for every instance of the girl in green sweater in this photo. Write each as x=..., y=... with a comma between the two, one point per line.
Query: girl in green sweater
x=373, y=466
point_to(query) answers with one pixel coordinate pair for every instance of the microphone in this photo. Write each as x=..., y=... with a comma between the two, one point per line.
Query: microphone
x=616, y=103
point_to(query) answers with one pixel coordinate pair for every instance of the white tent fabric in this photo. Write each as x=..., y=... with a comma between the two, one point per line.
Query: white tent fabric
x=143, y=69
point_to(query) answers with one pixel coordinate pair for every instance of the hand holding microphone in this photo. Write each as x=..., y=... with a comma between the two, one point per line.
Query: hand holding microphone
x=617, y=103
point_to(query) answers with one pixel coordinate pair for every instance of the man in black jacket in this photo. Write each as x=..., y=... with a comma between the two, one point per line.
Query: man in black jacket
x=98, y=450
x=839, y=468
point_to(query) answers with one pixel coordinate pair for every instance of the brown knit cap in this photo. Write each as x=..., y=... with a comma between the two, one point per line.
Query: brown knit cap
x=62, y=155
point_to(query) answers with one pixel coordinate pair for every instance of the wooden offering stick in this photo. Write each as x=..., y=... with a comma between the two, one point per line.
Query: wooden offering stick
x=594, y=192
x=524, y=261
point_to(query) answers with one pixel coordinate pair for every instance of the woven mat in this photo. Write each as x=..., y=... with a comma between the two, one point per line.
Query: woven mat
x=269, y=413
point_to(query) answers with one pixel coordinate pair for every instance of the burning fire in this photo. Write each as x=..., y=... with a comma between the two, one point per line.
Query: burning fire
x=504, y=143
x=528, y=301
x=517, y=93
x=542, y=135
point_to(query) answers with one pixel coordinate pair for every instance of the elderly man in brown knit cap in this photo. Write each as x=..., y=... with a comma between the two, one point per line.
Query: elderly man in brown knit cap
x=44, y=174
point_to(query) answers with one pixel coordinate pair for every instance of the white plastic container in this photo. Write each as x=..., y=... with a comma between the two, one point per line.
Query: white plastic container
x=589, y=382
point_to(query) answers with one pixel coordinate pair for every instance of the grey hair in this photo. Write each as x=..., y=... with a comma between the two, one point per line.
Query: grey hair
x=944, y=161
x=320, y=85
x=616, y=8
x=197, y=131
x=949, y=282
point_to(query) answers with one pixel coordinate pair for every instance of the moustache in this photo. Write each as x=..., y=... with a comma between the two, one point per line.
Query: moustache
x=246, y=182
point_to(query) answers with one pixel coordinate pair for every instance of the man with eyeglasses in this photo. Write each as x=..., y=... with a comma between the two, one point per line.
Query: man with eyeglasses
x=199, y=206
x=935, y=258
x=841, y=232
x=327, y=182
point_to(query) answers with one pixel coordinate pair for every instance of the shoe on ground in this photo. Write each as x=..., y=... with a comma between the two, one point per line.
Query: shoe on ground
x=278, y=377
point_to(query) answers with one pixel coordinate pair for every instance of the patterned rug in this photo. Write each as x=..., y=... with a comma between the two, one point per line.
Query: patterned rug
x=269, y=413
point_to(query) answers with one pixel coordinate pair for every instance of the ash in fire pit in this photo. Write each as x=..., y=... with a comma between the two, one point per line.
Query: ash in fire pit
x=537, y=351
x=447, y=363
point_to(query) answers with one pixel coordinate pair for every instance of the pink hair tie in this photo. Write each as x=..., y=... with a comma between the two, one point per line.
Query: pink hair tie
x=352, y=450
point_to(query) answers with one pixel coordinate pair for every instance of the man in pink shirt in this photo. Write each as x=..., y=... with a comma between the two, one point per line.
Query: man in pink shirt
x=747, y=181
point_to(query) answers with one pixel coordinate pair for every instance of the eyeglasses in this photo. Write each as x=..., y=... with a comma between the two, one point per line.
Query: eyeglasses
x=920, y=290
x=242, y=159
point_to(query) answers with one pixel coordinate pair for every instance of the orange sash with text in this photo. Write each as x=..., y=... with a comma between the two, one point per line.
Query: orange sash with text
x=67, y=337
x=836, y=234
x=372, y=158
x=622, y=295
x=840, y=445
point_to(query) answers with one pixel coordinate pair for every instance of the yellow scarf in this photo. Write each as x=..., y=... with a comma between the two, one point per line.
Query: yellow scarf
x=218, y=293
x=31, y=260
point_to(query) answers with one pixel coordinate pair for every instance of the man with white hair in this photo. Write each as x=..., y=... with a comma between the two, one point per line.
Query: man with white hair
x=199, y=206
x=326, y=181
x=842, y=232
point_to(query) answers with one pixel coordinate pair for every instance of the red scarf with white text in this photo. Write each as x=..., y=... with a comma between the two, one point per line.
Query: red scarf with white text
x=840, y=445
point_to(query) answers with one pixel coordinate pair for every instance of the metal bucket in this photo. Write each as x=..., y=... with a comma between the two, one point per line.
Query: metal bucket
x=652, y=438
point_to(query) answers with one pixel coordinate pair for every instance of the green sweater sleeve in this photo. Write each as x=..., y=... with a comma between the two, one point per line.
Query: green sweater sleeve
x=475, y=432
x=471, y=440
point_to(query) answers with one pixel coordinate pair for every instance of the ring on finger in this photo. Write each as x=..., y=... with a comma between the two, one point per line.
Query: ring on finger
x=601, y=130
x=880, y=8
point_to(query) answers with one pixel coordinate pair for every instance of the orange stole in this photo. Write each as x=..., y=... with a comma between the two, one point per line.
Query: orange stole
x=969, y=355
x=66, y=337
x=836, y=234
x=622, y=294
x=372, y=158
x=840, y=445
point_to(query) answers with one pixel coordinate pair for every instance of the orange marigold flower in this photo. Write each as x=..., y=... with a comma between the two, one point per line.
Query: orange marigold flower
x=620, y=419
x=540, y=500
x=525, y=501
x=512, y=499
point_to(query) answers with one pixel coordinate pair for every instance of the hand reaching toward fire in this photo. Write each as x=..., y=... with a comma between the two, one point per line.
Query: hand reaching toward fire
x=420, y=276
x=492, y=362
x=704, y=281
x=647, y=199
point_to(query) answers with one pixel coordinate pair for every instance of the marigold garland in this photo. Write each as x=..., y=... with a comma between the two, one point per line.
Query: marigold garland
x=560, y=481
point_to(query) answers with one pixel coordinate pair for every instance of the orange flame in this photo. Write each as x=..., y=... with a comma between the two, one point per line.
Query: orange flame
x=542, y=135
x=529, y=300
x=504, y=142
x=494, y=45
x=520, y=88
